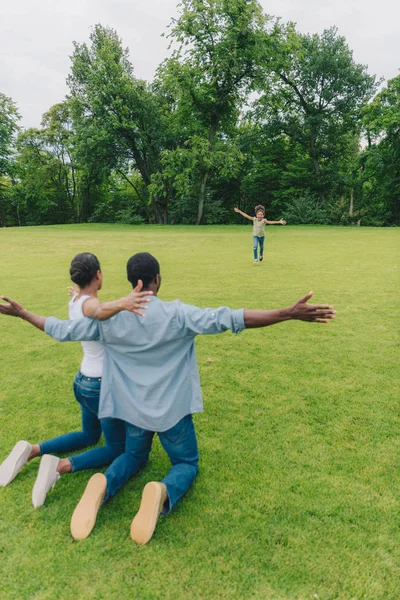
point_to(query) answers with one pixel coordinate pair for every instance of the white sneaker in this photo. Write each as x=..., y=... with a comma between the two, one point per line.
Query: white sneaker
x=14, y=462
x=255, y=261
x=46, y=479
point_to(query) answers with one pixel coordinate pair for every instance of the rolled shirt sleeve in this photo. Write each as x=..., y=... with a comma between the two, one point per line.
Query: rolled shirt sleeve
x=78, y=330
x=196, y=321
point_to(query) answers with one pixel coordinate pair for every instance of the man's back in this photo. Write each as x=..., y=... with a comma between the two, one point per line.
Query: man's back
x=150, y=376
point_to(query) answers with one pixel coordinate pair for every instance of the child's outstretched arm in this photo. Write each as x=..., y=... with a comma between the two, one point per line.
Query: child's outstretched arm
x=243, y=214
x=281, y=222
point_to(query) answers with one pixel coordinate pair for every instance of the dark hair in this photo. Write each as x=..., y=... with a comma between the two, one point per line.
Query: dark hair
x=142, y=266
x=259, y=208
x=83, y=268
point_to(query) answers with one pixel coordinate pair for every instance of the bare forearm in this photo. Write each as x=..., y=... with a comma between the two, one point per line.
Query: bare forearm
x=299, y=311
x=106, y=310
x=244, y=215
x=263, y=318
x=33, y=319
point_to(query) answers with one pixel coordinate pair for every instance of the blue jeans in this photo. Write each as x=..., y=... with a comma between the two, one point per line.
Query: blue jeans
x=258, y=240
x=87, y=393
x=180, y=444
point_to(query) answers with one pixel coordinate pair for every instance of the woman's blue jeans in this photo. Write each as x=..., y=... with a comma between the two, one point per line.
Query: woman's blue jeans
x=180, y=444
x=87, y=393
x=258, y=241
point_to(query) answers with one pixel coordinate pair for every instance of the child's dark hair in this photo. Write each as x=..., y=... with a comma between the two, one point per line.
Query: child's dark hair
x=142, y=266
x=259, y=208
x=83, y=268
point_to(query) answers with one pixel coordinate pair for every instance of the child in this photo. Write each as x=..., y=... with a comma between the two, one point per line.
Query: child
x=259, y=223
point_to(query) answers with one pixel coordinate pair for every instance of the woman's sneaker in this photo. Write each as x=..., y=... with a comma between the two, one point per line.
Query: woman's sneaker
x=14, y=462
x=46, y=479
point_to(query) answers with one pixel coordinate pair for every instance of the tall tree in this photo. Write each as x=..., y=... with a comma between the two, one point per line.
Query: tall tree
x=316, y=93
x=381, y=158
x=117, y=116
x=9, y=127
x=219, y=45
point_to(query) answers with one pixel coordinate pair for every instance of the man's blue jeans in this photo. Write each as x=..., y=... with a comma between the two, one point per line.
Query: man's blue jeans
x=180, y=444
x=258, y=240
x=87, y=393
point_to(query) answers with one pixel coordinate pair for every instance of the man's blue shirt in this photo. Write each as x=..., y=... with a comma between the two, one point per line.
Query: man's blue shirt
x=150, y=376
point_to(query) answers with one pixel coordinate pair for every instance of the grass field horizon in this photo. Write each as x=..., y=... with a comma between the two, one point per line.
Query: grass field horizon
x=298, y=492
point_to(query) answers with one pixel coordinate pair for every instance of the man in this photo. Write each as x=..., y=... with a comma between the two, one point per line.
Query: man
x=151, y=382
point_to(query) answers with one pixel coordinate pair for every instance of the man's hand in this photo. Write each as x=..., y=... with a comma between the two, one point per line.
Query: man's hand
x=137, y=300
x=319, y=313
x=316, y=313
x=12, y=309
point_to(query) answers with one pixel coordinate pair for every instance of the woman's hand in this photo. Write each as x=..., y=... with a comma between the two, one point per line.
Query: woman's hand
x=73, y=290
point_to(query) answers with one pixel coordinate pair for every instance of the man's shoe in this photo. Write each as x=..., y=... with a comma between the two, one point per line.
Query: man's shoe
x=46, y=479
x=14, y=462
x=84, y=518
x=143, y=525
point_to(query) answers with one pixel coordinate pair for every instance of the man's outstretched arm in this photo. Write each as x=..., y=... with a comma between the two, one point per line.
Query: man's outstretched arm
x=300, y=311
x=192, y=320
x=79, y=330
x=14, y=309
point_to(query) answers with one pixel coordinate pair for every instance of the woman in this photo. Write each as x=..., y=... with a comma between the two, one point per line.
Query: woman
x=86, y=274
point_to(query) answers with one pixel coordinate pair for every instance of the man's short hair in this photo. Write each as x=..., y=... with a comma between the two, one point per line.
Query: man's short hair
x=142, y=266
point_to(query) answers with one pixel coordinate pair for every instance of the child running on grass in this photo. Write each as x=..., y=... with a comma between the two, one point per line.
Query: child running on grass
x=259, y=223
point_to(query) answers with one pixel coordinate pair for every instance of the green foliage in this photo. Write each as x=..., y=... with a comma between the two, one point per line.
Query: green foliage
x=9, y=127
x=305, y=209
x=220, y=44
x=9, y=118
x=117, y=116
x=380, y=160
x=193, y=143
x=128, y=217
x=314, y=99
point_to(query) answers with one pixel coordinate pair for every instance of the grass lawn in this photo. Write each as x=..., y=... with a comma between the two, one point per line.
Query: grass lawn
x=298, y=491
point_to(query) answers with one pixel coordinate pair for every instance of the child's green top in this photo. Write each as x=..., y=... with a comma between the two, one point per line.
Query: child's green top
x=258, y=227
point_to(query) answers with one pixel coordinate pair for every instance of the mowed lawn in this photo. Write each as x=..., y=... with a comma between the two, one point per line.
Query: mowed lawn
x=298, y=494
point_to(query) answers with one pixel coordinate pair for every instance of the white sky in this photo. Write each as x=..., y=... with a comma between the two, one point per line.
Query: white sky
x=36, y=38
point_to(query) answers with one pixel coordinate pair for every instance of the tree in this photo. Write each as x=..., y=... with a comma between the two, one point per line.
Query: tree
x=210, y=74
x=116, y=115
x=381, y=159
x=315, y=94
x=9, y=127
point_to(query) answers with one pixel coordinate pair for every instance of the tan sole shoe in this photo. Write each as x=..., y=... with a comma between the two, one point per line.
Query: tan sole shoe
x=145, y=521
x=84, y=517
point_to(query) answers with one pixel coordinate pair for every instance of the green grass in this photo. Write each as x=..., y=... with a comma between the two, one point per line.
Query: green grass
x=298, y=492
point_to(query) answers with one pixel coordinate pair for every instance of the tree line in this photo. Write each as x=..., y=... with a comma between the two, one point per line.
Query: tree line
x=245, y=110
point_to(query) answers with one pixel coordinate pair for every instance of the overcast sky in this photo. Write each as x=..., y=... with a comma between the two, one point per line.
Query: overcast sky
x=36, y=38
